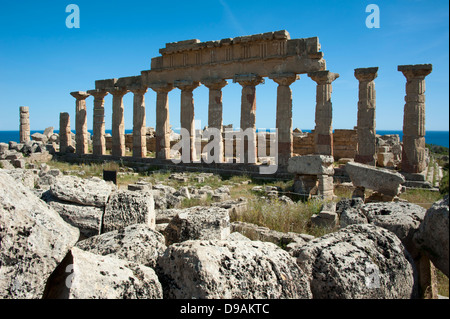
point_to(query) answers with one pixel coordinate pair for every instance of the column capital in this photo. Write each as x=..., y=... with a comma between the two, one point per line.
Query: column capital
x=161, y=87
x=323, y=77
x=214, y=84
x=118, y=91
x=138, y=91
x=98, y=93
x=366, y=74
x=284, y=79
x=248, y=79
x=186, y=85
x=80, y=95
x=413, y=71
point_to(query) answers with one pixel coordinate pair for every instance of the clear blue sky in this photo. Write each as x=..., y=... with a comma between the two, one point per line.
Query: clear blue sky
x=42, y=61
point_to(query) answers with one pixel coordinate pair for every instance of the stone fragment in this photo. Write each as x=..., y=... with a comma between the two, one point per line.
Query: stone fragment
x=378, y=179
x=358, y=262
x=311, y=165
x=237, y=269
x=34, y=240
x=136, y=243
x=88, y=219
x=91, y=192
x=107, y=277
x=403, y=219
x=198, y=223
x=432, y=238
x=126, y=208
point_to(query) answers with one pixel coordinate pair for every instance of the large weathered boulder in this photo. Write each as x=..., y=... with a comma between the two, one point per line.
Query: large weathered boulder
x=198, y=223
x=136, y=243
x=34, y=240
x=311, y=165
x=358, y=262
x=403, y=219
x=27, y=177
x=240, y=269
x=105, y=277
x=88, y=219
x=378, y=179
x=433, y=235
x=93, y=191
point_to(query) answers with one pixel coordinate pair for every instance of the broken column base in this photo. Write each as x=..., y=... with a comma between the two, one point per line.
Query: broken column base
x=314, y=185
x=359, y=192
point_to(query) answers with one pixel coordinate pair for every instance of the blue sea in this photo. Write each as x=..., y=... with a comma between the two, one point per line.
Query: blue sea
x=432, y=137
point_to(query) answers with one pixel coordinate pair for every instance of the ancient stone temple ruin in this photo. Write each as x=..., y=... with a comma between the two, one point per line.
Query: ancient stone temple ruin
x=249, y=61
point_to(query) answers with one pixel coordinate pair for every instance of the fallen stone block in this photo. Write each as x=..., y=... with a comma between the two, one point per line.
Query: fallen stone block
x=432, y=237
x=378, y=179
x=358, y=262
x=135, y=243
x=126, y=208
x=34, y=240
x=198, y=223
x=231, y=269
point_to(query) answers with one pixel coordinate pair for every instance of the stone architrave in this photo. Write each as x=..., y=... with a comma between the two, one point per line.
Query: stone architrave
x=118, y=123
x=215, y=109
x=139, y=128
x=367, y=143
x=24, y=129
x=323, y=136
x=187, y=114
x=98, y=137
x=81, y=136
x=284, y=115
x=65, y=135
x=248, y=112
x=414, y=153
x=162, y=119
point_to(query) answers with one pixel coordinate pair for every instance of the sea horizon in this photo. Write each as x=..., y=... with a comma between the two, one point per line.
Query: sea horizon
x=435, y=137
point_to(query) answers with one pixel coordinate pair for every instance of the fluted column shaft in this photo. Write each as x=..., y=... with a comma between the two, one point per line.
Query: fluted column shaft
x=367, y=142
x=139, y=128
x=118, y=123
x=248, y=113
x=65, y=135
x=98, y=137
x=323, y=136
x=162, y=130
x=24, y=128
x=187, y=114
x=413, y=155
x=284, y=115
x=81, y=135
x=215, y=110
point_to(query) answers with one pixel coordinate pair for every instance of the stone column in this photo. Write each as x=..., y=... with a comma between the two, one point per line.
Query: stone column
x=118, y=123
x=162, y=130
x=284, y=115
x=367, y=142
x=81, y=135
x=248, y=112
x=139, y=128
x=98, y=137
x=215, y=109
x=24, y=128
x=187, y=112
x=323, y=132
x=65, y=135
x=413, y=154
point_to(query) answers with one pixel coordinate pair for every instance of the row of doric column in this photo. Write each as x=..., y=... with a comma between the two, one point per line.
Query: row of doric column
x=413, y=154
x=215, y=115
x=413, y=159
